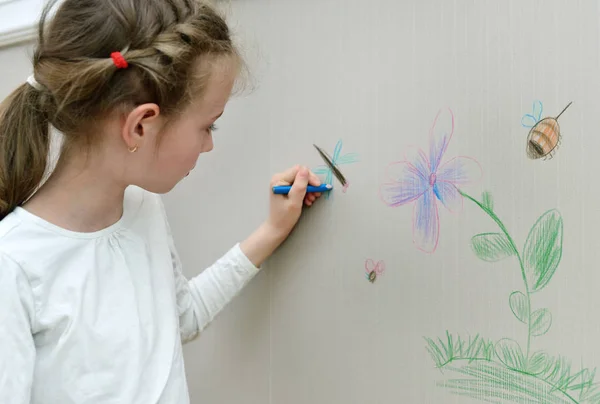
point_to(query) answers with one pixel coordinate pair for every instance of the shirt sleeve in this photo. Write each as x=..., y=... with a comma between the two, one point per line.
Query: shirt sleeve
x=17, y=349
x=202, y=297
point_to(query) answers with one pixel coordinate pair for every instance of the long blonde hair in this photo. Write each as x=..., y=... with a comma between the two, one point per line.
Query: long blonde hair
x=79, y=82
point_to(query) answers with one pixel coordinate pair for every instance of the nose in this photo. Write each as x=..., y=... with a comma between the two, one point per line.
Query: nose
x=209, y=145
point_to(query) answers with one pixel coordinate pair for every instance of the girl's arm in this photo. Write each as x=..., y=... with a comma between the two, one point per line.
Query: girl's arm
x=284, y=213
x=202, y=297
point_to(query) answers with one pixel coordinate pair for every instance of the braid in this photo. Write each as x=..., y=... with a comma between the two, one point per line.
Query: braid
x=182, y=40
x=160, y=45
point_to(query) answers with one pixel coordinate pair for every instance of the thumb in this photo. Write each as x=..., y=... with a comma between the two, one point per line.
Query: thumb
x=298, y=190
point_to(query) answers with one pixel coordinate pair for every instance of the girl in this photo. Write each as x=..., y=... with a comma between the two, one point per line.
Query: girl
x=94, y=306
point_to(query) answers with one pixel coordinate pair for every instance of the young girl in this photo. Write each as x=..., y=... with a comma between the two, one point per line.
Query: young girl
x=94, y=306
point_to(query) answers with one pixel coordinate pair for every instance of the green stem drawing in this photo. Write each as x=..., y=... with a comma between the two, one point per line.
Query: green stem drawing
x=515, y=251
x=500, y=371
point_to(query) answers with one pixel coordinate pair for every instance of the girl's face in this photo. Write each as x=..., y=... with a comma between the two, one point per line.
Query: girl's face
x=182, y=140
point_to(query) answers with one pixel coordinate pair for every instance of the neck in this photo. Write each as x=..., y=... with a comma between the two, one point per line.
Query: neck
x=79, y=196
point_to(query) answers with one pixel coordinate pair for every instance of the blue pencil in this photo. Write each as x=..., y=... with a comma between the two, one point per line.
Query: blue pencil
x=285, y=189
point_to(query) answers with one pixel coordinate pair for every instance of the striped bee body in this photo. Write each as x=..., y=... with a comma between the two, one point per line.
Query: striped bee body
x=544, y=137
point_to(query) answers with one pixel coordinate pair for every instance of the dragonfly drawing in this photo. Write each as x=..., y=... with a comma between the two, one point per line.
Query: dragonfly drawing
x=337, y=159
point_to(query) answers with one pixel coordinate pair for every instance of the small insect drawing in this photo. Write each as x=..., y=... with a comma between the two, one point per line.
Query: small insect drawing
x=331, y=169
x=373, y=270
x=544, y=137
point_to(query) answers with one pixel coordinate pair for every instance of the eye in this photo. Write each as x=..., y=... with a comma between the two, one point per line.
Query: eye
x=212, y=128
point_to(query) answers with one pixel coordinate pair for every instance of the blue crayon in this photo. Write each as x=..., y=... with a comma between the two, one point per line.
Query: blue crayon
x=285, y=189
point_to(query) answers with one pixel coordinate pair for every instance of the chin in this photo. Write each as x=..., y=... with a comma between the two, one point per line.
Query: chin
x=157, y=188
x=161, y=184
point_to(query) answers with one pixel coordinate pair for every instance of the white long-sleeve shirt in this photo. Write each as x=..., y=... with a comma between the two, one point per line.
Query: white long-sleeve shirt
x=101, y=317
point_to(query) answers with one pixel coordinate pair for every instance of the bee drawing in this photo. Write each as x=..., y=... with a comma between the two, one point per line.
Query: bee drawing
x=544, y=136
x=373, y=269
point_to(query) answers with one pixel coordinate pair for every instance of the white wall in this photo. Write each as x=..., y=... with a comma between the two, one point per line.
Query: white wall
x=18, y=20
x=15, y=67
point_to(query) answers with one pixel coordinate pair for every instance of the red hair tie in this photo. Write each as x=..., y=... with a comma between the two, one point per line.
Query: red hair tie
x=119, y=60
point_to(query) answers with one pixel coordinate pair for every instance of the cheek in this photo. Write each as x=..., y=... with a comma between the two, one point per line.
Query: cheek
x=176, y=154
x=190, y=145
x=181, y=150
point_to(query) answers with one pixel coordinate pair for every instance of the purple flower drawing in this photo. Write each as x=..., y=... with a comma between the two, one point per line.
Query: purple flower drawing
x=424, y=180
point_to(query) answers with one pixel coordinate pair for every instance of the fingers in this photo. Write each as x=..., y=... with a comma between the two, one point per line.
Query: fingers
x=313, y=179
x=286, y=177
x=298, y=191
x=311, y=198
x=299, y=185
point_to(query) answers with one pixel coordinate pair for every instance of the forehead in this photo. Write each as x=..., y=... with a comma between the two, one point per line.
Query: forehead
x=215, y=78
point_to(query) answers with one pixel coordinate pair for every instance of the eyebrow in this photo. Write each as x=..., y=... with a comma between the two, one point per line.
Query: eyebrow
x=218, y=116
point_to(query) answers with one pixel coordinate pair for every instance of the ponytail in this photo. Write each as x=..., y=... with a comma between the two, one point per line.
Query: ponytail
x=94, y=57
x=24, y=146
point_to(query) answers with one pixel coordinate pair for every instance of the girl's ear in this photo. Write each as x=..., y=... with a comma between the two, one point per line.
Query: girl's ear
x=141, y=125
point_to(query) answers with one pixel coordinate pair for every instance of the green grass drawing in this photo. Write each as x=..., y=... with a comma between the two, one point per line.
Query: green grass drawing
x=502, y=371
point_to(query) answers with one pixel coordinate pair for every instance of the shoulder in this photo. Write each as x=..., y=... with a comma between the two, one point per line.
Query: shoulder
x=15, y=236
x=10, y=269
x=14, y=287
x=10, y=223
x=11, y=272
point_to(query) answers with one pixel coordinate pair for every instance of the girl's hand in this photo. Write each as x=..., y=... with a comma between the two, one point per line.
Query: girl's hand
x=284, y=213
x=285, y=210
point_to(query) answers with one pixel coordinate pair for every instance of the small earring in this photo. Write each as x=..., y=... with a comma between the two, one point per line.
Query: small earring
x=133, y=149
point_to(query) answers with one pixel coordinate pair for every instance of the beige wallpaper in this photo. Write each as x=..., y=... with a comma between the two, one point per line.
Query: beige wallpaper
x=458, y=316
x=15, y=67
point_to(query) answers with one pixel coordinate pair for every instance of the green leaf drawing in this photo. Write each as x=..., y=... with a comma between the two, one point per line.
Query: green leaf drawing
x=541, y=320
x=487, y=201
x=445, y=351
x=509, y=352
x=503, y=371
x=538, y=363
x=491, y=247
x=471, y=370
x=491, y=382
x=543, y=250
x=519, y=304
